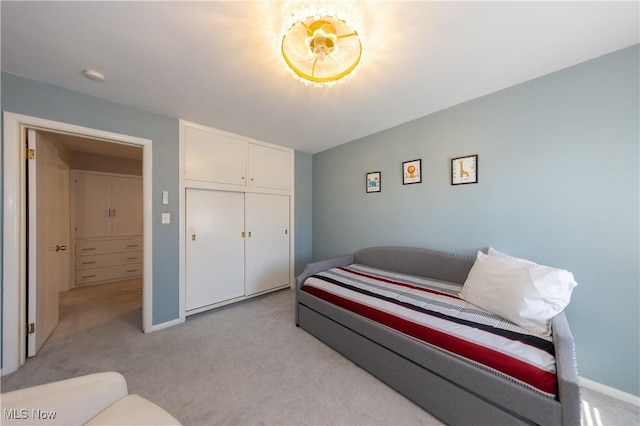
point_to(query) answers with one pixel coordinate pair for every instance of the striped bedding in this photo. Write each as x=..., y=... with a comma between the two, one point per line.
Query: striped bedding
x=432, y=311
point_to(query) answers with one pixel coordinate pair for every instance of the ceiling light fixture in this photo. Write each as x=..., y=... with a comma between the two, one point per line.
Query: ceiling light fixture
x=94, y=75
x=322, y=46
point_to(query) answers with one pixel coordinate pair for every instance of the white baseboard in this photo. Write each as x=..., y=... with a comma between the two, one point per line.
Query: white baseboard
x=609, y=391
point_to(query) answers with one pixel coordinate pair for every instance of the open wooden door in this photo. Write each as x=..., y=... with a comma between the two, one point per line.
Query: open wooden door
x=42, y=234
x=64, y=227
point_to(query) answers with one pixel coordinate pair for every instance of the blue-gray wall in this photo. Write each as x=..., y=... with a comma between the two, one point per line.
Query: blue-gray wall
x=304, y=214
x=28, y=97
x=558, y=184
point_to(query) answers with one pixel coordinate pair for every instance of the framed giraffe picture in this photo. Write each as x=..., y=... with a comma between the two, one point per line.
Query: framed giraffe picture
x=464, y=170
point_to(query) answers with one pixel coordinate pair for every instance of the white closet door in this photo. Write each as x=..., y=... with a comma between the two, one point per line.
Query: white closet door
x=93, y=203
x=267, y=249
x=215, y=247
x=214, y=157
x=126, y=206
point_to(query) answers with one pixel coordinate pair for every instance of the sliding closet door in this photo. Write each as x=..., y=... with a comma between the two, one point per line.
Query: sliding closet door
x=267, y=245
x=214, y=247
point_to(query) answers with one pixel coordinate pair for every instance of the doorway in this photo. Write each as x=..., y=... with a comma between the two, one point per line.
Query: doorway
x=85, y=231
x=14, y=226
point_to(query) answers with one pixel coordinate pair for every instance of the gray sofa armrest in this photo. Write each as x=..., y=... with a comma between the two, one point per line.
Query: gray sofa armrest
x=567, y=372
x=314, y=268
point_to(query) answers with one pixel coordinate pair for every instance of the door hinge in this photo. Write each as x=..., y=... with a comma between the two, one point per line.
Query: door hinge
x=30, y=153
x=31, y=328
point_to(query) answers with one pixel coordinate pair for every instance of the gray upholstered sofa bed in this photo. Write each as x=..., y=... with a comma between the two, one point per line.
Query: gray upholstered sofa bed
x=447, y=387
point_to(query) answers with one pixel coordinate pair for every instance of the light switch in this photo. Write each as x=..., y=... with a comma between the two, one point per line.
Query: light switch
x=165, y=197
x=166, y=218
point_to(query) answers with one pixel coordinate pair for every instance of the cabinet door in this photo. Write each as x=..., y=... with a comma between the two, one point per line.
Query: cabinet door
x=269, y=167
x=126, y=206
x=93, y=203
x=215, y=247
x=267, y=247
x=213, y=157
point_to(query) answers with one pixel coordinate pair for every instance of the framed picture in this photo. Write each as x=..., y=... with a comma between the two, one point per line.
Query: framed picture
x=411, y=172
x=374, y=182
x=464, y=170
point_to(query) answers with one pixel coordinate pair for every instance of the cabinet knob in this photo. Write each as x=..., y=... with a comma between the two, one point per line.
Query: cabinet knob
x=242, y=178
x=286, y=232
x=249, y=234
x=193, y=237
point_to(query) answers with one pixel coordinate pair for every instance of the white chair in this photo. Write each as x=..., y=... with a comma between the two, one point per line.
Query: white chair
x=95, y=399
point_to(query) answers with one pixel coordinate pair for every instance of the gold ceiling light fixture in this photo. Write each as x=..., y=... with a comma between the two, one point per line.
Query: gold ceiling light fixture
x=321, y=46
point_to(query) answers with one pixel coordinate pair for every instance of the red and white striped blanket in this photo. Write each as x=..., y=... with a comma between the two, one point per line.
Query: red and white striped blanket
x=433, y=312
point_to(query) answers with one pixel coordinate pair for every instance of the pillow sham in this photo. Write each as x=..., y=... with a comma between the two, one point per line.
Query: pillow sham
x=494, y=252
x=519, y=290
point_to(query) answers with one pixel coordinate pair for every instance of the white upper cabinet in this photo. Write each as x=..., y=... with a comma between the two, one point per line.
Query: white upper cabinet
x=269, y=167
x=224, y=158
x=214, y=157
x=93, y=205
x=107, y=205
x=126, y=199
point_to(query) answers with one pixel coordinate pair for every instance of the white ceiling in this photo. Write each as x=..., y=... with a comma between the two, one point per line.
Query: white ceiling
x=217, y=63
x=75, y=143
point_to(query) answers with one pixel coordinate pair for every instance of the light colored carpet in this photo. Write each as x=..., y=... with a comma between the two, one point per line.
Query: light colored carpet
x=243, y=364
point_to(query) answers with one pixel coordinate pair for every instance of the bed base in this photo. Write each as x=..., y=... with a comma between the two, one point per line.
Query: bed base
x=448, y=387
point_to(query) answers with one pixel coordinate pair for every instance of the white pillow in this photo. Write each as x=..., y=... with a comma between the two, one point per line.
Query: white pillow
x=494, y=252
x=519, y=290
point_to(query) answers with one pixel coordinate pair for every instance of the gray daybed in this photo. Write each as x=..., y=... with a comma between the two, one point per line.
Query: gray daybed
x=454, y=391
